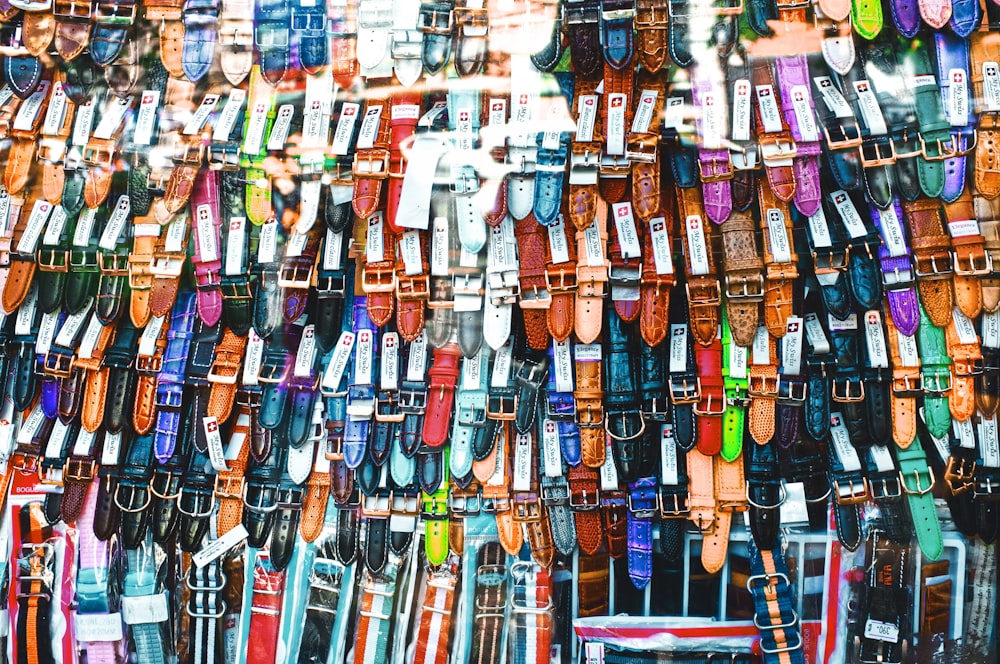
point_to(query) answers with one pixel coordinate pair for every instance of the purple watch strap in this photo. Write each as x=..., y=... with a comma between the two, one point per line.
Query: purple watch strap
x=642, y=501
x=953, y=54
x=207, y=257
x=906, y=16
x=897, y=272
x=793, y=72
x=715, y=168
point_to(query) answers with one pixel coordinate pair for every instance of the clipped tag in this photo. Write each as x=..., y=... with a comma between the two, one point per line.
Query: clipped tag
x=439, y=247
x=150, y=333
x=267, y=244
x=815, y=334
x=83, y=123
x=562, y=366
x=963, y=326
x=30, y=426
x=305, y=357
x=741, y=110
x=768, y=106
x=678, y=348
x=55, y=227
x=738, y=361
x=849, y=214
x=26, y=313
x=832, y=97
x=668, y=455
x=116, y=224
x=791, y=347
x=923, y=80
x=881, y=631
x=522, y=463
x=176, y=234
x=909, y=356
x=551, y=456
x=409, y=249
x=878, y=356
x=84, y=442
x=200, y=116
x=404, y=112
x=472, y=371
x=389, y=365
x=282, y=124
x=112, y=446
x=88, y=343
x=33, y=229
x=84, y=227
x=697, y=246
x=802, y=106
x=253, y=139
x=27, y=114
x=963, y=227
x=870, y=110
x=594, y=245
x=558, y=244
x=230, y=113
x=296, y=244
x=345, y=128
x=502, y=365
x=98, y=627
x=781, y=249
x=369, y=128
x=837, y=325
x=112, y=118
x=609, y=472
x=989, y=445
x=374, y=248
x=71, y=327
x=958, y=97
x=661, y=246
x=216, y=454
x=761, y=347
x=363, y=350
x=145, y=609
x=235, y=242
x=253, y=359
x=892, y=231
x=628, y=236
x=498, y=112
x=991, y=86
x=338, y=362
x=644, y=112
x=965, y=433
x=673, y=113
x=217, y=547
x=617, y=103
x=841, y=440
x=711, y=122
x=991, y=329
x=333, y=250
x=55, y=115
x=819, y=229
x=416, y=363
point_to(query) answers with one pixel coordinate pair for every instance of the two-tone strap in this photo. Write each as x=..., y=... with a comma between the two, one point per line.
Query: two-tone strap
x=774, y=606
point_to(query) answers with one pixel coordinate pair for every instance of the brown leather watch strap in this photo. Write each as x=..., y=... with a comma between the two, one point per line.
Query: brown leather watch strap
x=90, y=360
x=224, y=375
x=985, y=54
x=780, y=261
x=589, y=395
x=591, y=277
x=651, y=18
x=140, y=279
x=169, y=255
x=763, y=392
x=777, y=147
x=315, y=497
x=699, y=265
x=931, y=256
x=642, y=148
x=535, y=299
x=988, y=214
x=21, y=157
x=906, y=383
x=412, y=290
x=584, y=158
x=168, y=14
x=229, y=482
x=371, y=164
x=614, y=170
x=593, y=583
x=148, y=368
x=560, y=281
x=37, y=31
x=584, y=500
x=966, y=362
x=497, y=492
x=743, y=278
x=657, y=278
x=970, y=261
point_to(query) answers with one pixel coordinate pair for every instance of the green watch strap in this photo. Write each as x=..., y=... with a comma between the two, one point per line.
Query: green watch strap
x=736, y=394
x=435, y=518
x=866, y=16
x=918, y=481
x=935, y=375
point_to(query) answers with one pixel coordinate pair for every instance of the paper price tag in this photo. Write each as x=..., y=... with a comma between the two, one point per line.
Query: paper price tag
x=815, y=334
x=628, y=236
x=678, y=348
x=26, y=313
x=369, y=128
x=964, y=327
x=84, y=227
x=609, y=472
x=113, y=116
x=98, y=627
x=819, y=229
x=522, y=463
x=802, y=107
x=363, y=350
x=305, y=357
x=711, y=122
x=218, y=547
x=216, y=453
x=200, y=116
x=668, y=455
x=841, y=439
x=832, y=97
x=875, y=340
x=563, y=366
x=333, y=250
x=770, y=115
x=253, y=359
x=558, y=244
x=673, y=113
x=33, y=230
x=923, y=80
x=409, y=248
x=761, y=347
x=781, y=248
x=963, y=227
x=697, y=245
x=881, y=631
x=389, y=366
x=958, y=98
x=235, y=243
x=83, y=123
x=791, y=347
x=439, y=247
x=230, y=113
x=30, y=426
x=46, y=333
x=617, y=103
x=587, y=352
x=116, y=224
x=145, y=609
x=267, y=244
x=472, y=371
x=594, y=245
x=112, y=446
x=55, y=227
x=502, y=365
x=738, y=356
x=644, y=112
x=661, y=246
x=253, y=140
x=345, y=128
x=870, y=109
x=177, y=233
x=551, y=456
x=741, y=110
x=71, y=327
x=90, y=336
x=416, y=364
x=989, y=442
x=837, y=325
x=991, y=329
x=908, y=353
x=84, y=442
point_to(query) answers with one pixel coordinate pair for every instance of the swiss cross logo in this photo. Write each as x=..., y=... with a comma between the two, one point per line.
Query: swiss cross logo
x=374, y=221
x=315, y=105
x=658, y=226
x=872, y=318
x=694, y=223
x=211, y=426
x=958, y=77
x=347, y=341
x=679, y=331
x=146, y=99
x=826, y=83
x=235, y=225
x=617, y=102
x=463, y=116
x=390, y=342
x=792, y=327
x=839, y=198
x=742, y=89
x=990, y=70
x=623, y=211
x=799, y=96
x=373, y=111
x=260, y=108
x=350, y=110
x=309, y=333
x=764, y=92
x=523, y=99
x=497, y=106
x=834, y=420
x=647, y=100
x=709, y=101
x=550, y=427
x=588, y=101
x=862, y=87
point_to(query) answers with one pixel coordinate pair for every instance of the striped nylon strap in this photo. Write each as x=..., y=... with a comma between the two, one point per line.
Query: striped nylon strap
x=531, y=605
x=774, y=607
x=378, y=598
x=435, y=616
x=35, y=578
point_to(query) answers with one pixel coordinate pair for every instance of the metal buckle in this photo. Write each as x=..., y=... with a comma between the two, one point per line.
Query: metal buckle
x=782, y=497
x=59, y=364
x=728, y=8
x=167, y=266
x=707, y=410
x=847, y=394
x=876, y=148
x=959, y=475
x=224, y=486
x=845, y=142
x=677, y=510
x=935, y=383
x=975, y=267
x=79, y=470
x=857, y=493
x=682, y=393
x=258, y=505
x=764, y=386
x=412, y=288
x=749, y=287
x=194, y=514
x=377, y=279
x=778, y=152
x=885, y=487
x=721, y=170
x=932, y=260
x=297, y=275
x=133, y=491
x=535, y=298
x=113, y=264
x=897, y=279
x=366, y=161
x=377, y=506
x=587, y=501
x=53, y=260
x=920, y=490
x=624, y=420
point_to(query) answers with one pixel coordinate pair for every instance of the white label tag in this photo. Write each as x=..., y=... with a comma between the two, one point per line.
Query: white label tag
x=282, y=124
x=965, y=432
x=27, y=114
x=892, y=231
x=230, y=113
x=551, y=457
x=991, y=329
x=668, y=455
x=305, y=357
x=841, y=440
x=88, y=343
x=333, y=250
x=617, y=103
x=958, y=98
x=678, y=348
x=145, y=609
x=253, y=139
x=522, y=463
x=498, y=112
x=837, y=325
x=150, y=333
x=113, y=116
x=711, y=122
x=594, y=245
x=472, y=372
x=768, y=106
x=338, y=362
x=661, y=246
x=404, y=112
x=267, y=245
x=217, y=547
x=881, y=631
x=374, y=249
x=819, y=229
x=216, y=454
x=345, y=128
x=923, y=80
x=609, y=472
x=963, y=326
x=84, y=442
x=587, y=352
x=98, y=627
x=795, y=509
x=832, y=97
x=26, y=313
x=849, y=214
x=177, y=234
x=30, y=426
x=963, y=227
x=870, y=110
x=738, y=361
x=84, y=227
x=116, y=223
x=296, y=244
x=112, y=445
x=644, y=112
x=363, y=357
x=501, y=365
x=253, y=359
x=781, y=249
x=909, y=356
x=55, y=227
x=33, y=229
x=84, y=121
x=791, y=347
x=558, y=244
x=439, y=247
x=369, y=128
x=697, y=246
x=71, y=327
x=761, y=347
x=875, y=339
x=673, y=113
x=991, y=86
x=464, y=130
x=200, y=116
x=409, y=249
x=235, y=242
x=741, y=110
x=56, y=113
x=563, y=366
x=989, y=442
x=389, y=366
x=628, y=236
x=416, y=364
x=802, y=106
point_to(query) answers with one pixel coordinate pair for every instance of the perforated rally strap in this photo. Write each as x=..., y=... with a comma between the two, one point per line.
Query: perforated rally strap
x=774, y=601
